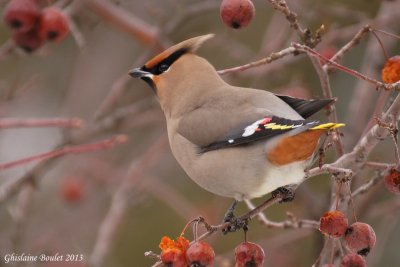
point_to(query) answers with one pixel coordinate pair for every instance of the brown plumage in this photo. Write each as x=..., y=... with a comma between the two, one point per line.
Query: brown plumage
x=295, y=148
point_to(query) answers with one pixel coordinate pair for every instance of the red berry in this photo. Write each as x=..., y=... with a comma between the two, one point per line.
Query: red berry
x=333, y=223
x=173, y=252
x=53, y=25
x=353, y=260
x=248, y=254
x=360, y=238
x=392, y=181
x=200, y=254
x=29, y=41
x=173, y=258
x=22, y=15
x=72, y=190
x=391, y=70
x=237, y=13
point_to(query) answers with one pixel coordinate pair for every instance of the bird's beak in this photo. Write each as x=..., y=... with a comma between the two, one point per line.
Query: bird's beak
x=138, y=73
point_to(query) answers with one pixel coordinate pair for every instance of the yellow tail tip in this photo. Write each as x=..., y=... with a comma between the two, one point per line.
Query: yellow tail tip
x=328, y=126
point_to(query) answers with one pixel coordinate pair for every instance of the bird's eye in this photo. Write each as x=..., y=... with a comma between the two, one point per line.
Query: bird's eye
x=163, y=67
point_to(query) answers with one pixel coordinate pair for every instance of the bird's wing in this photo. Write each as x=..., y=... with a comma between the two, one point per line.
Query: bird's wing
x=262, y=129
x=225, y=116
x=305, y=107
x=213, y=129
x=226, y=119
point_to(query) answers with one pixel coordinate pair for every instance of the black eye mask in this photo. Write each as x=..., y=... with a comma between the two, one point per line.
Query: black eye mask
x=164, y=65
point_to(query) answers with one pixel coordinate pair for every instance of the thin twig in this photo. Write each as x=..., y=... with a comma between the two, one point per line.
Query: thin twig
x=139, y=29
x=118, y=88
x=366, y=187
x=387, y=33
x=120, y=201
x=10, y=188
x=378, y=84
x=305, y=34
x=328, y=168
x=291, y=223
x=370, y=65
x=78, y=149
x=350, y=45
x=326, y=89
x=170, y=196
x=357, y=157
x=247, y=216
x=379, y=165
x=35, y=122
x=272, y=57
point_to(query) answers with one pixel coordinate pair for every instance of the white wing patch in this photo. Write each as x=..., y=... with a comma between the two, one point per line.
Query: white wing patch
x=251, y=129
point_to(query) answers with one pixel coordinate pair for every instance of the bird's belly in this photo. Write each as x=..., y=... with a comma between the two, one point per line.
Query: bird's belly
x=278, y=176
x=241, y=180
x=237, y=172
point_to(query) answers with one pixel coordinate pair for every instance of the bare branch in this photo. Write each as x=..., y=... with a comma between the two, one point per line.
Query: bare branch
x=120, y=201
x=304, y=34
x=350, y=45
x=291, y=223
x=272, y=57
x=34, y=122
x=78, y=149
x=127, y=22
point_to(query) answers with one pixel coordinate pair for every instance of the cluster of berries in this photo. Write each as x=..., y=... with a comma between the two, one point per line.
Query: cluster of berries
x=179, y=253
x=359, y=238
x=32, y=26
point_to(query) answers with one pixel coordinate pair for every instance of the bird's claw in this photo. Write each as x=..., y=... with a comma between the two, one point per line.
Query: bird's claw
x=285, y=193
x=235, y=224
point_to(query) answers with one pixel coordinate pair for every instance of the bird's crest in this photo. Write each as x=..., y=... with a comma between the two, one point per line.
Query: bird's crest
x=174, y=52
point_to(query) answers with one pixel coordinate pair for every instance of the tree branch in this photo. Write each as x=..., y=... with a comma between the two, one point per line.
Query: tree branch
x=78, y=149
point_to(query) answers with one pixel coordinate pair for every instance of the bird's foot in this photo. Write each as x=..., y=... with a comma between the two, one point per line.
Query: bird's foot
x=235, y=223
x=286, y=193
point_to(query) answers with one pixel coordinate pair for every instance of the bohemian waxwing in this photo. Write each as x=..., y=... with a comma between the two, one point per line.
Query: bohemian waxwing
x=235, y=142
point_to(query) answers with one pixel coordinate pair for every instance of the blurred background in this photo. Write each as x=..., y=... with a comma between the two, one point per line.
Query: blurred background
x=115, y=204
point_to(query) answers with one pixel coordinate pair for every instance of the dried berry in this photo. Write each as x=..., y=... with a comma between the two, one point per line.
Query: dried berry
x=71, y=190
x=360, y=238
x=353, y=260
x=200, y=254
x=29, y=41
x=173, y=258
x=22, y=15
x=237, y=13
x=391, y=70
x=392, y=181
x=173, y=252
x=333, y=223
x=248, y=254
x=53, y=25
